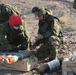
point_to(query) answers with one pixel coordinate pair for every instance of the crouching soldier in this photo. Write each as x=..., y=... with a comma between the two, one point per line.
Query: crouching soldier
x=13, y=34
x=49, y=34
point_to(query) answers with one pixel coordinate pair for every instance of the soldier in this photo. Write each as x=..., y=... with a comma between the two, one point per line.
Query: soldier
x=6, y=10
x=74, y=4
x=49, y=34
x=13, y=34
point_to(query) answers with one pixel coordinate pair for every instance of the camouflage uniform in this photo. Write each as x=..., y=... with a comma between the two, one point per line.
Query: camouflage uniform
x=6, y=11
x=13, y=39
x=50, y=29
x=74, y=4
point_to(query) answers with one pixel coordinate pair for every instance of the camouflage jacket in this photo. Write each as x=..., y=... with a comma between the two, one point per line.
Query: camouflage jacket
x=50, y=26
x=6, y=11
x=12, y=39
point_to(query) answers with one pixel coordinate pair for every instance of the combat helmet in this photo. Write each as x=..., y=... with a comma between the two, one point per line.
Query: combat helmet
x=15, y=20
x=41, y=11
x=38, y=11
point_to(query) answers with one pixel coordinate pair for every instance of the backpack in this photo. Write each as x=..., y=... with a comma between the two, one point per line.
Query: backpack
x=6, y=11
x=48, y=11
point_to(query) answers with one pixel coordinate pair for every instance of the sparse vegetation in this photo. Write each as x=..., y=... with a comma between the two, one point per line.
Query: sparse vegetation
x=68, y=19
x=64, y=19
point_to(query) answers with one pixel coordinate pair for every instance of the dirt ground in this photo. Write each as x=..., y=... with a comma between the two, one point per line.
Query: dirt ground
x=61, y=8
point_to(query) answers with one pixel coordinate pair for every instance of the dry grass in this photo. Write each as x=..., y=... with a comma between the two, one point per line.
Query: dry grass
x=56, y=4
x=63, y=18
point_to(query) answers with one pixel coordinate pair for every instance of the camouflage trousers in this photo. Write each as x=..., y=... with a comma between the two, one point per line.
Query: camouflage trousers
x=49, y=49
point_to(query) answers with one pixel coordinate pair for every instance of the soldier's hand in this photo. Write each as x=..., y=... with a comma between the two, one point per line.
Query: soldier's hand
x=39, y=37
x=33, y=47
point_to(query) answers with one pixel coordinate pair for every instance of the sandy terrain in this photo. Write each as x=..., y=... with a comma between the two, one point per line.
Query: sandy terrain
x=61, y=8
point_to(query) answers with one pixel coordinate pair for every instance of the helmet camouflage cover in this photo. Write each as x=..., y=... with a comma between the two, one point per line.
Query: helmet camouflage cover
x=41, y=11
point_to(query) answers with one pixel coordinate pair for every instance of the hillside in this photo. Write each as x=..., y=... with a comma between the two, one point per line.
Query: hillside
x=63, y=9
